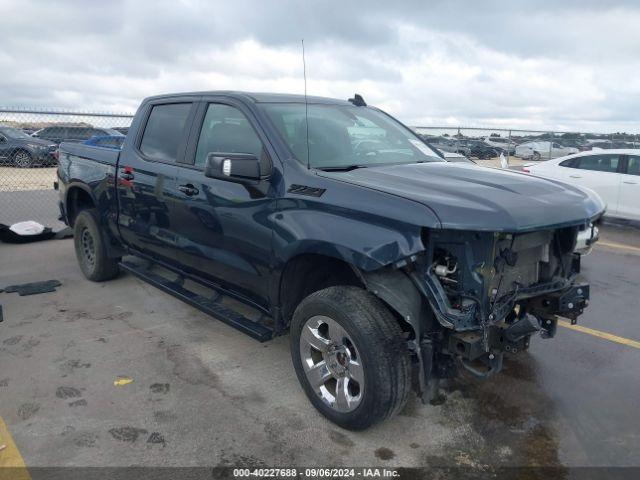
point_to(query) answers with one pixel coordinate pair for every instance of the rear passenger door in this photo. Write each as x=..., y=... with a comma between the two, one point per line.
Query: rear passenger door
x=629, y=205
x=146, y=180
x=600, y=174
x=224, y=225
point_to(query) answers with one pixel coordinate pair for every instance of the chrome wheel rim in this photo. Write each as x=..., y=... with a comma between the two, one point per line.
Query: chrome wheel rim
x=88, y=247
x=332, y=363
x=22, y=159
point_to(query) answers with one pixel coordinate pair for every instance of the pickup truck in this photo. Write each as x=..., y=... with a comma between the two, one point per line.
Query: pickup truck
x=390, y=268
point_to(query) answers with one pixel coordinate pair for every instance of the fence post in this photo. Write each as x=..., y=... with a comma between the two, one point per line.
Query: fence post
x=550, y=144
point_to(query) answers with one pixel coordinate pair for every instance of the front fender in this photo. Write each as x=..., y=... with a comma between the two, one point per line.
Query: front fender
x=368, y=244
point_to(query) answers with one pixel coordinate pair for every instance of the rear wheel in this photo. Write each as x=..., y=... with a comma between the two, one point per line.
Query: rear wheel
x=22, y=159
x=350, y=356
x=91, y=250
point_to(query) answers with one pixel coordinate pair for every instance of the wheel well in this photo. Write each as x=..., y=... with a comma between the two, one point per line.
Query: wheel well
x=77, y=200
x=308, y=273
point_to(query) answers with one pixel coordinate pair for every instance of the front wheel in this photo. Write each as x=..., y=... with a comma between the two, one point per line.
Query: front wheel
x=536, y=157
x=91, y=249
x=23, y=159
x=350, y=356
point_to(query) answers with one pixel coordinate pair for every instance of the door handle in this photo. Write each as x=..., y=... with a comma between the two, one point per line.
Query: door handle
x=575, y=176
x=630, y=183
x=188, y=189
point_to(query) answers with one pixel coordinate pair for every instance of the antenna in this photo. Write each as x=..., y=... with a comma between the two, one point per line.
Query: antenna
x=306, y=105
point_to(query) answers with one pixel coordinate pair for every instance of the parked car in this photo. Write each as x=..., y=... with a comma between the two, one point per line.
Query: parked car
x=456, y=157
x=543, y=150
x=20, y=150
x=481, y=150
x=388, y=266
x=503, y=143
x=63, y=133
x=612, y=174
x=579, y=145
x=448, y=145
x=122, y=130
x=106, y=141
x=609, y=145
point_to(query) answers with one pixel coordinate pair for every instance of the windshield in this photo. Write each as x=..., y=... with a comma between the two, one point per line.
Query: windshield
x=344, y=136
x=14, y=133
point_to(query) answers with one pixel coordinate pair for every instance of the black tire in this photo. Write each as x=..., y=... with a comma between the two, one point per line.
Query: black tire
x=536, y=157
x=22, y=159
x=381, y=347
x=91, y=250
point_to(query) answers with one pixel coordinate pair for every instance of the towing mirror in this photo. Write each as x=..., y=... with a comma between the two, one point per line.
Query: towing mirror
x=233, y=167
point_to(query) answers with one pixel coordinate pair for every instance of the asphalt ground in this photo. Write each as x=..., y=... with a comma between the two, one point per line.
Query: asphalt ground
x=204, y=394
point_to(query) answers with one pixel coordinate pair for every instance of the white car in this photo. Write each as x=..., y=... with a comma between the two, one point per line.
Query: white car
x=612, y=174
x=543, y=150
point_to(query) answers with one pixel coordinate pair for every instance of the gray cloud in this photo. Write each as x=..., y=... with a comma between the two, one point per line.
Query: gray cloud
x=539, y=64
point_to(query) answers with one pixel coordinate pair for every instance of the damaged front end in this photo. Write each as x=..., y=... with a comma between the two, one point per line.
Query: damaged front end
x=487, y=293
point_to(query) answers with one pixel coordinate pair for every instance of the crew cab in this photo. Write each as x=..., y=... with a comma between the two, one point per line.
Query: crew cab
x=389, y=267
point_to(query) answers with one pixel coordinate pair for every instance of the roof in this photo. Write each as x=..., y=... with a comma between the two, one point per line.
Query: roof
x=260, y=97
x=600, y=151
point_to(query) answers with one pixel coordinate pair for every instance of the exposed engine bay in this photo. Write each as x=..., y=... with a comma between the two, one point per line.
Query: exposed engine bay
x=489, y=292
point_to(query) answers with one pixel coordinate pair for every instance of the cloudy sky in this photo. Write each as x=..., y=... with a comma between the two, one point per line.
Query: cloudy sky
x=558, y=64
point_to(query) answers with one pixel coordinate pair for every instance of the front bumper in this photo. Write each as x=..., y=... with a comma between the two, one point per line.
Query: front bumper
x=481, y=351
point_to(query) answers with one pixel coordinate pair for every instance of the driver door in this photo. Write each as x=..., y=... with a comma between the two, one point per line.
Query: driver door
x=224, y=226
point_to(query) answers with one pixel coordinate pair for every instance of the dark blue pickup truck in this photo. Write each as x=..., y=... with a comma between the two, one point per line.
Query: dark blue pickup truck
x=331, y=220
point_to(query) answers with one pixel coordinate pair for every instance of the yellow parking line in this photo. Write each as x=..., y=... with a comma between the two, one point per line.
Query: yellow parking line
x=12, y=465
x=599, y=334
x=618, y=246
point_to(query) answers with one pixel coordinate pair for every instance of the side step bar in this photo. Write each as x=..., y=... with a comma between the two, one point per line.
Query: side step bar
x=210, y=307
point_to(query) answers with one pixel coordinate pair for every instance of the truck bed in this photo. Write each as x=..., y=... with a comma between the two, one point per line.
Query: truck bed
x=107, y=156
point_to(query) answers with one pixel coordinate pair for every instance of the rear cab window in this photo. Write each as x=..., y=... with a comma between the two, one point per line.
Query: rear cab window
x=164, y=131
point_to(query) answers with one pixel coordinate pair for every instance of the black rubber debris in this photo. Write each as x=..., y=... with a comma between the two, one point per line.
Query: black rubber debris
x=33, y=288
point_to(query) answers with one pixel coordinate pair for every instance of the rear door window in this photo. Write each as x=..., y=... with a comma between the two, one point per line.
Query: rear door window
x=165, y=130
x=599, y=163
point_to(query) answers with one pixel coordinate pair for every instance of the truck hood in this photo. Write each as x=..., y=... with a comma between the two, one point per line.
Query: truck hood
x=468, y=197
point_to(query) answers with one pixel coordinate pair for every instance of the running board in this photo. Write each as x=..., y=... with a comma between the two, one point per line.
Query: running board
x=206, y=305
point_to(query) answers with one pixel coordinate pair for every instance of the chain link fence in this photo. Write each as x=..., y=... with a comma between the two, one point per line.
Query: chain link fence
x=29, y=141
x=484, y=145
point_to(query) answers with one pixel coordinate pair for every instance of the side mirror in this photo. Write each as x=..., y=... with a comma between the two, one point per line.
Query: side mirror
x=233, y=167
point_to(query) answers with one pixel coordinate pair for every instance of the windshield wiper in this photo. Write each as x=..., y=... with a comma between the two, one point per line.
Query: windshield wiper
x=341, y=168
